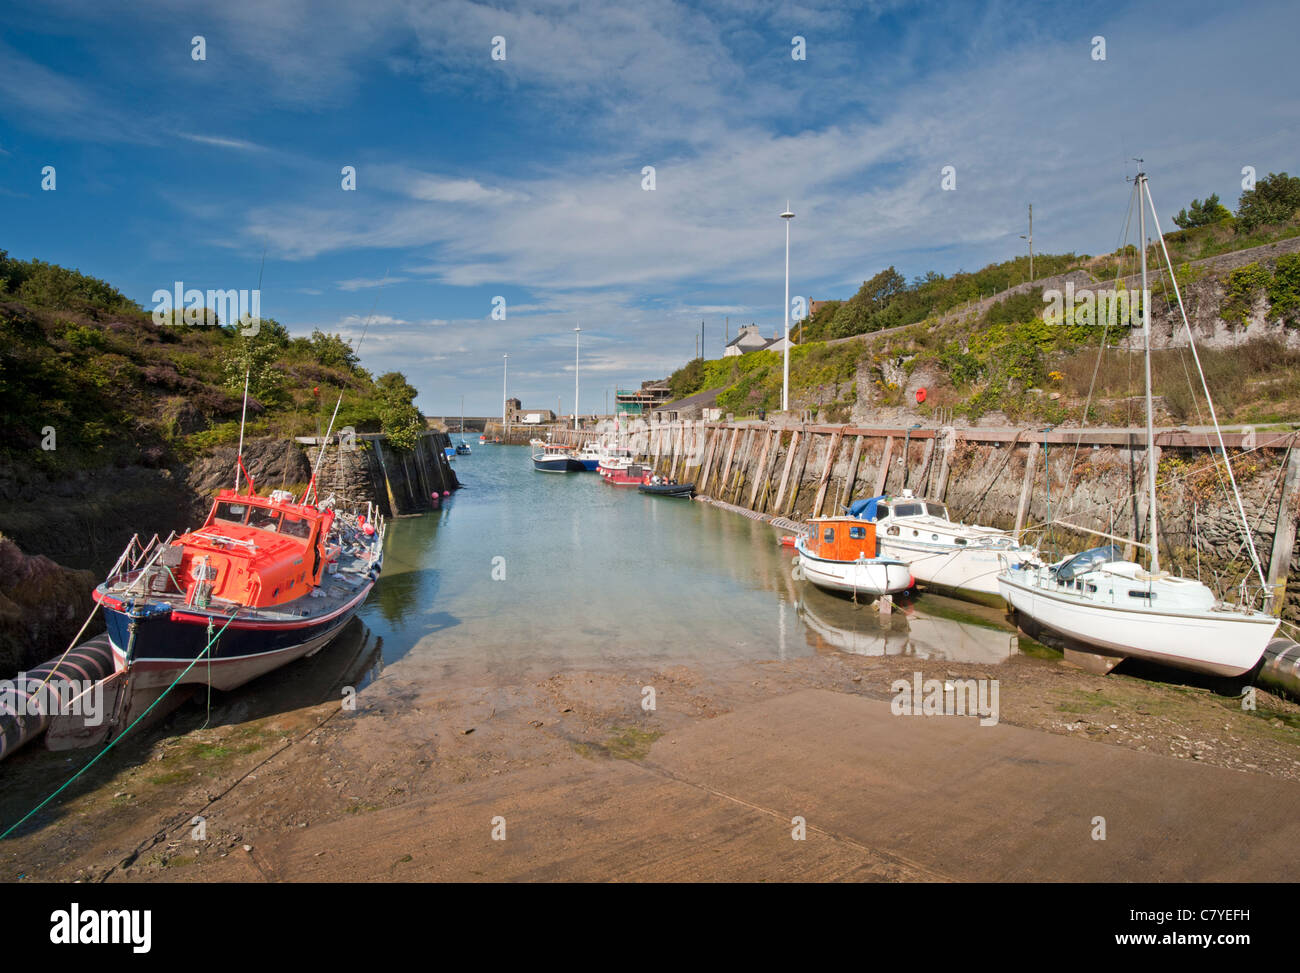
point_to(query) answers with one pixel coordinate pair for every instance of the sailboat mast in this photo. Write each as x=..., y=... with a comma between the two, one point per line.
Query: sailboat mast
x=1146, y=344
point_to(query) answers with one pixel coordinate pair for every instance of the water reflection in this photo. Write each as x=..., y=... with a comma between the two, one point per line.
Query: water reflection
x=943, y=629
x=591, y=574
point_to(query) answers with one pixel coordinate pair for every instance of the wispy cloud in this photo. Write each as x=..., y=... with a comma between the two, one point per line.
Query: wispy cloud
x=224, y=143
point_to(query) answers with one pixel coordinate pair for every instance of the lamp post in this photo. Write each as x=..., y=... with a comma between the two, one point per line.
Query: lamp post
x=576, y=332
x=1030, y=238
x=785, y=368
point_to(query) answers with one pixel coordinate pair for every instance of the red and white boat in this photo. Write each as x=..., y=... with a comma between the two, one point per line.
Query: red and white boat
x=842, y=554
x=262, y=582
x=632, y=474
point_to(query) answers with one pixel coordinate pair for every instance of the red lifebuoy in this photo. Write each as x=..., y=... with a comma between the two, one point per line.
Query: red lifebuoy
x=920, y=396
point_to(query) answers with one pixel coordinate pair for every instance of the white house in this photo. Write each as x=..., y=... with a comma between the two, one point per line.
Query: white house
x=749, y=339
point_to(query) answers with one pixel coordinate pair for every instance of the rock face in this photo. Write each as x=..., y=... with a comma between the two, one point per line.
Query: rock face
x=397, y=481
x=270, y=462
x=42, y=604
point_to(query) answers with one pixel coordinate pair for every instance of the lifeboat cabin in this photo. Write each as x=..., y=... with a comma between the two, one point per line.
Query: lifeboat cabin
x=259, y=552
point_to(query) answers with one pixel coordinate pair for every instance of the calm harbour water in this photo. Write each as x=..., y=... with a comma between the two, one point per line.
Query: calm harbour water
x=598, y=575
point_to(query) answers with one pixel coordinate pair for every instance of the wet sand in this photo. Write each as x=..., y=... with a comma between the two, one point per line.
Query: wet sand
x=705, y=787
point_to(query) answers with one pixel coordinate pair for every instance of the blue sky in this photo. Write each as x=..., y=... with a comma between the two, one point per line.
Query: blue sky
x=521, y=178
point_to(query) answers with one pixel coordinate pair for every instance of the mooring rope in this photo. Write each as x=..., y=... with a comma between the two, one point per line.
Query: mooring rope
x=112, y=743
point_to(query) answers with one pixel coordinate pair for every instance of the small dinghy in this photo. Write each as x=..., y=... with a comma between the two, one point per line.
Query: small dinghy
x=668, y=489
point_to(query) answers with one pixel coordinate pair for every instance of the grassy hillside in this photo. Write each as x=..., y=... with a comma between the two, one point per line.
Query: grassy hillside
x=86, y=370
x=1006, y=359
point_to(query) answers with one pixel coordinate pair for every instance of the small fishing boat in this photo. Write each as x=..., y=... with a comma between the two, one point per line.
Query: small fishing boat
x=962, y=560
x=841, y=554
x=589, y=456
x=666, y=489
x=462, y=448
x=613, y=458
x=633, y=474
x=555, y=458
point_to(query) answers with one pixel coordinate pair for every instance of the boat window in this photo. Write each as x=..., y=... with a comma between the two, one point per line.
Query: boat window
x=892, y=532
x=263, y=518
x=295, y=526
x=961, y=542
x=828, y=535
x=937, y=510
x=934, y=537
x=1142, y=594
x=232, y=513
x=881, y=511
x=857, y=533
x=908, y=510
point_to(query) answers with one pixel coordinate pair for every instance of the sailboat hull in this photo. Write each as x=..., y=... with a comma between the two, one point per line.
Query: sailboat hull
x=1216, y=643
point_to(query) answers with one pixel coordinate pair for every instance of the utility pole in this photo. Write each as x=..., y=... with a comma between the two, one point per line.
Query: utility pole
x=1030, y=238
x=701, y=338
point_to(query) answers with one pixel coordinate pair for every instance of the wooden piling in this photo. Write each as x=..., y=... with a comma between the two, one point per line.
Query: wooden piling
x=941, y=488
x=1022, y=508
x=710, y=448
x=851, y=478
x=760, y=468
x=1279, y=563
x=800, y=465
x=836, y=439
x=785, y=473
x=882, y=475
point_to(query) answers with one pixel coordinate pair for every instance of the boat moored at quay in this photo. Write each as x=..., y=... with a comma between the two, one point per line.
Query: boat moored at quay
x=841, y=554
x=262, y=582
x=962, y=560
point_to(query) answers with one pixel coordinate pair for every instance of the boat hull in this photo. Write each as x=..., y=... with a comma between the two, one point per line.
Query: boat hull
x=872, y=577
x=167, y=641
x=558, y=464
x=1214, y=643
x=969, y=573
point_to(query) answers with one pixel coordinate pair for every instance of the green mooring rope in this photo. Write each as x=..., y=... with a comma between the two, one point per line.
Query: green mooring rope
x=117, y=738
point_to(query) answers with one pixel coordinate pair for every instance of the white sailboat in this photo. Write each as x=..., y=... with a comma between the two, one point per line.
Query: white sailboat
x=1111, y=608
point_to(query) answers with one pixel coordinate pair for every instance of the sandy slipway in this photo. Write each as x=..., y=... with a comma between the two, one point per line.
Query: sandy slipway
x=591, y=787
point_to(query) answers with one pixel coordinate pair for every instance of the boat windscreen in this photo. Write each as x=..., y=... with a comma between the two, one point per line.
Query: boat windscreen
x=1086, y=561
x=295, y=526
x=264, y=518
x=231, y=513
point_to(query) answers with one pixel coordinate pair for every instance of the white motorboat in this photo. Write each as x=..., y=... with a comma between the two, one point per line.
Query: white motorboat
x=946, y=556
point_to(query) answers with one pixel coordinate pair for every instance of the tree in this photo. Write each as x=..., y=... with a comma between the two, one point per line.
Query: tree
x=257, y=356
x=1273, y=200
x=401, y=420
x=1202, y=213
x=333, y=351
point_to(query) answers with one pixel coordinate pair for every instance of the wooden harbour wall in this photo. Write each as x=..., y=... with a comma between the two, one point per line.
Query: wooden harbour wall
x=1000, y=477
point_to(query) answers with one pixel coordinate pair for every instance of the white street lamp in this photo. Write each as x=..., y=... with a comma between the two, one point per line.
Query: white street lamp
x=785, y=378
